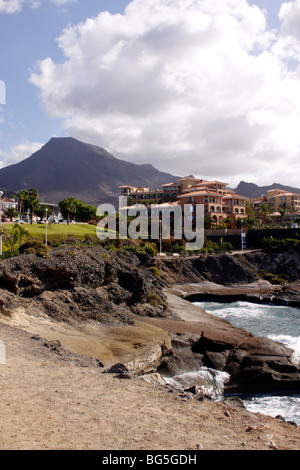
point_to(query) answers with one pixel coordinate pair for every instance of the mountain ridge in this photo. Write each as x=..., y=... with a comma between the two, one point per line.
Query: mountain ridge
x=252, y=190
x=66, y=167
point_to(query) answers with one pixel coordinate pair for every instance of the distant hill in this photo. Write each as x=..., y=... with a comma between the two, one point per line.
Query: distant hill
x=66, y=167
x=251, y=190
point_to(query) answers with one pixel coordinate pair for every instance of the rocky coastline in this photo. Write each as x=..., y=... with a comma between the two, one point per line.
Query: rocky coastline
x=76, y=287
x=90, y=308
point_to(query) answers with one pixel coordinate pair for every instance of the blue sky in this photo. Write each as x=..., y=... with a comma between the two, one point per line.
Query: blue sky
x=203, y=87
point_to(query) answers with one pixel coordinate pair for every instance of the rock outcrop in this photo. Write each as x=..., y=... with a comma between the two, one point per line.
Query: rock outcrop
x=80, y=285
x=255, y=364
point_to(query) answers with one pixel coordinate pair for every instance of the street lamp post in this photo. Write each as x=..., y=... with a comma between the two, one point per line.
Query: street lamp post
x=160, y=235
x=1, y=194
x=243, y=236
x=46, y=225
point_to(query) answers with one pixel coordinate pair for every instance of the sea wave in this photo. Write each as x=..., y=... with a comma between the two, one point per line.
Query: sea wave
x=292, y=342
x=209, y=382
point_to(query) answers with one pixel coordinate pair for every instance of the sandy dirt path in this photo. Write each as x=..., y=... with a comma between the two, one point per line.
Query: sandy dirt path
x=60, y=401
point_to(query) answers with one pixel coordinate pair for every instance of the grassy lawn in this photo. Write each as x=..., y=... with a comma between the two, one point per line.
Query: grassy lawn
x=56, y=229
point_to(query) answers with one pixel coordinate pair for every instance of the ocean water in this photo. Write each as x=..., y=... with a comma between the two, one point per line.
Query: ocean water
x=280, y=323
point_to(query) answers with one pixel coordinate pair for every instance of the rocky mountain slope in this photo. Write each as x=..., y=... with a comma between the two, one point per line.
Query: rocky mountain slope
x=252, y=190
x=66, y=167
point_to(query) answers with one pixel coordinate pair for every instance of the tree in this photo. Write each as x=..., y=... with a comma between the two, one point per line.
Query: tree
x=29, y=201
x=68, y=208
x=74, y=207
x=10, y=212
x=33, y=204
x=41, y=211
x=282, y=209
x=22, y=195
x=15, y=238
x=264, y=212
x=207, y=222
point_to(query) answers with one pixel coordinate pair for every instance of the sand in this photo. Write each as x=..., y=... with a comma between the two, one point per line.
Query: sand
x=56, y=400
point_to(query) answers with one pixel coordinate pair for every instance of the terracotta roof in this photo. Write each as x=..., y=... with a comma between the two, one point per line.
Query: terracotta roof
x=7, y=199
x=189, y=178
x=212, y=182
x=200, y=193
x=234, y=196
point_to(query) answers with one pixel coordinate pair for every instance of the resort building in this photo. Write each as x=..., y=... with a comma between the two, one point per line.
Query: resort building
x=219, y=202
x=277, y=198
x=221, y=205
x=257, y=203
x=7, y=203
x=142, y=194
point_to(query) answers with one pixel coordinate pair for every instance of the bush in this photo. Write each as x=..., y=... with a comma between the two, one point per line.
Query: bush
x=156, y=301
x=272, y=243
x=150, y=250
x=154, y=270
x=213, y=247
x=35, y=246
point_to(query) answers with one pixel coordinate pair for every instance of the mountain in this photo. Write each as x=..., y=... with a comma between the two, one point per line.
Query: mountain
x=251, y=190
x=66, y=167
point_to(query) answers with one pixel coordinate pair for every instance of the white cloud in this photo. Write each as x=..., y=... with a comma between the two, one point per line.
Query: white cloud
x=289, y=15
x=11, y=6
x=15, y=6
x=19, y=152
x=196, y=87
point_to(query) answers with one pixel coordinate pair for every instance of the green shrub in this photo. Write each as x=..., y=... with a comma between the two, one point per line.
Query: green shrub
x=155, y=271
x=150, y=250
x=34, y=245
x=272, y=243
x=156, y=301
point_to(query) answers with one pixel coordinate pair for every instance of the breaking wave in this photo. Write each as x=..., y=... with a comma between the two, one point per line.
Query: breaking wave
x=208, y=382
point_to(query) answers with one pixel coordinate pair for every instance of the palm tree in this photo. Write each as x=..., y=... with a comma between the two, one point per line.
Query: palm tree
x=10, y=212
x=264, y=212
x=22, y=195
x=33, y=202
x=282, y=209
x=68, y=207
x=15, y=238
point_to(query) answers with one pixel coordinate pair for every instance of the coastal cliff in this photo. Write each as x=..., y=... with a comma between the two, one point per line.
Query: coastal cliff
x=83, y=287
x=67, y=318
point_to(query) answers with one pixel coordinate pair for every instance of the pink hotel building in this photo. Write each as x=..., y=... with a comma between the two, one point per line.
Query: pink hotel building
x=219, y=202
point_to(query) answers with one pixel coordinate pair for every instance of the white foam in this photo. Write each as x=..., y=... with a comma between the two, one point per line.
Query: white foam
x=209, y=382
x=292, y=342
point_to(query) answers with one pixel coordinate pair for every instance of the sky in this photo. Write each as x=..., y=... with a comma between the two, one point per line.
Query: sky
x=209, y=88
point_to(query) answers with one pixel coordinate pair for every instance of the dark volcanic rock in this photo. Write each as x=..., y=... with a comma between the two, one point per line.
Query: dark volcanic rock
x=254, y=364
x=79, y=283
x=257, y=364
